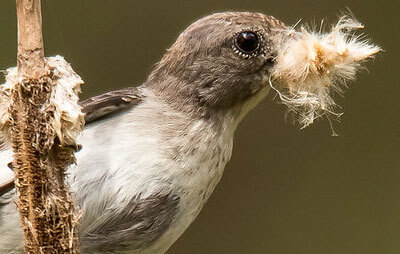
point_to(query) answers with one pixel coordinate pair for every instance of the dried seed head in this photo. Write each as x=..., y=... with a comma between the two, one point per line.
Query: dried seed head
x=66, y=119
x=310, y=66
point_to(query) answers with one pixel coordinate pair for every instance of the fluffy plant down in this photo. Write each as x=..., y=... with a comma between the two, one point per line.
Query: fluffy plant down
x=312, y=66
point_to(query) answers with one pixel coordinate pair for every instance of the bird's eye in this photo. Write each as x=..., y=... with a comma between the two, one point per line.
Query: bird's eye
x=247, y=42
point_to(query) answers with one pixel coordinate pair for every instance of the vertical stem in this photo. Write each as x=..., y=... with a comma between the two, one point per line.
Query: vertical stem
x=30, y=55
x=45, y=206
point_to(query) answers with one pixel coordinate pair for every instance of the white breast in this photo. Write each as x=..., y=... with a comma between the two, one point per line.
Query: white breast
x=195, y=173
x=147, y=155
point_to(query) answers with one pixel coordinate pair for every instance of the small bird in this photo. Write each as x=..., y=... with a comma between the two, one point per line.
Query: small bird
x=152, y=155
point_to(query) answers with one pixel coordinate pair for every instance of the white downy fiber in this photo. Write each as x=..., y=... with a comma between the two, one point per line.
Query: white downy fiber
x=311, y=66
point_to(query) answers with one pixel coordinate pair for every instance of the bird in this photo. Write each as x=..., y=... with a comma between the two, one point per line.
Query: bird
x=152, y=155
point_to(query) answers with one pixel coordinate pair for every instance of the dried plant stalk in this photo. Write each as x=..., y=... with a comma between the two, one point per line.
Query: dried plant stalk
x=45, y=205
x=40, y=154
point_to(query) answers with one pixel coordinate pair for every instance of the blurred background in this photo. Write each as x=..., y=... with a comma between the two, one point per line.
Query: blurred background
x=286, y=190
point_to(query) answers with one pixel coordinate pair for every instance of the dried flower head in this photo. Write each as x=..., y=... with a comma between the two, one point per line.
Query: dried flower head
x=67, y=119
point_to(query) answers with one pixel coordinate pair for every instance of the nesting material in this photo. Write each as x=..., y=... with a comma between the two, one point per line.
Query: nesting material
x=66, y=119
x=312, y=66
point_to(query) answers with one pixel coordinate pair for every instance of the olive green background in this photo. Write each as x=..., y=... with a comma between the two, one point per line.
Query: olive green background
x=286, y=190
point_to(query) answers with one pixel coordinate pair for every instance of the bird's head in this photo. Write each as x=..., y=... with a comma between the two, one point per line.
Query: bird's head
x=229, y=61
x=218, y=62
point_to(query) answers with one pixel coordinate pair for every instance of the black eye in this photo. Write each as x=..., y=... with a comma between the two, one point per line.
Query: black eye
x=247, y=42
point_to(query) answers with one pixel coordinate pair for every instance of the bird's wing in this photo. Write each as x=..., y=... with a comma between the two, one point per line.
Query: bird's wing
x=94, y=108
x=103, y=105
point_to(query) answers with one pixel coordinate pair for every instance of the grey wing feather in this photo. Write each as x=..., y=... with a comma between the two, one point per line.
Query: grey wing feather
x=136, y=226
x=111, y=102
x=6, y=187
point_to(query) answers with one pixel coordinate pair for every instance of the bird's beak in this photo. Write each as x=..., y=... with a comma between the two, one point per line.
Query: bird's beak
x=311, y=65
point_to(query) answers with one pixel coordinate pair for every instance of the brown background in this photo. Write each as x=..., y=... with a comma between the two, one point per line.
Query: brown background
x=286, y=190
